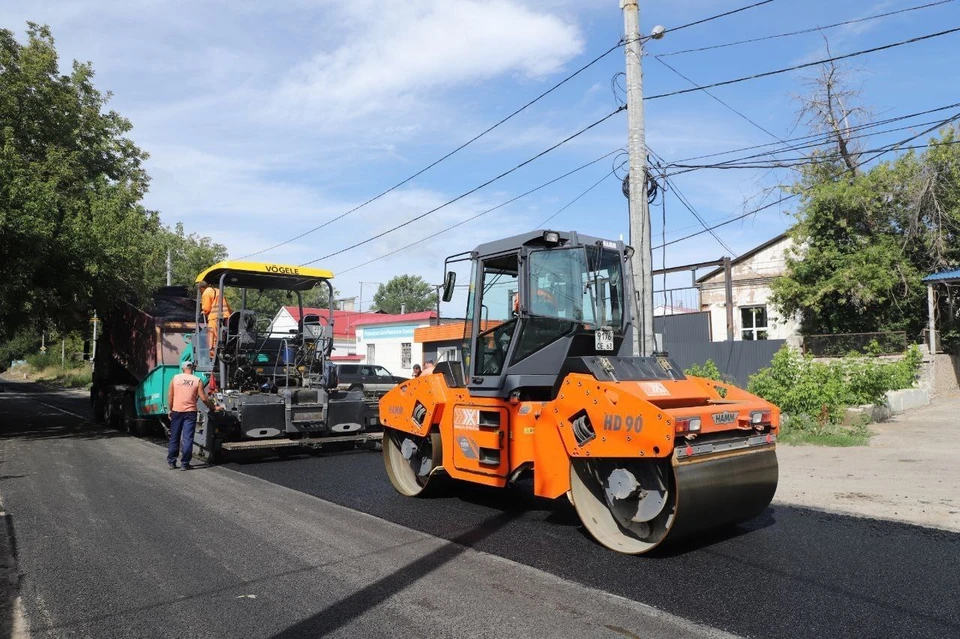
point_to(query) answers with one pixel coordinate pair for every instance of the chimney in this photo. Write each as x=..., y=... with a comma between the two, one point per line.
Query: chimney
x=403, y=309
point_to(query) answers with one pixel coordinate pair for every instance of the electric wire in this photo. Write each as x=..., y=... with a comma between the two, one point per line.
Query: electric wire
x=802, y=190
x=482, y=213
x=805, y=65
x=825, y=135
x=574, y=200
x=805, y=31
x=471, y=191
x=448, y=155
x=719, y=15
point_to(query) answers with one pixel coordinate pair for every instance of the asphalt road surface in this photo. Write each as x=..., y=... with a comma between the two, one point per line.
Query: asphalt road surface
x=789, y=573
x=110, y=543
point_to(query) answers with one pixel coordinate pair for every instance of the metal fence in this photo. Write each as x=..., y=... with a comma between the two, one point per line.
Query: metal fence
x=737, y=361
x=883, y=343
x=687, y=340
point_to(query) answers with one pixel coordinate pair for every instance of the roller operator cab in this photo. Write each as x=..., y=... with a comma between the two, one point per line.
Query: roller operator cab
x=547, y=383
x=278, y=389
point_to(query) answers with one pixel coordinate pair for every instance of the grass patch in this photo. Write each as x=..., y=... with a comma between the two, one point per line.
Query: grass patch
x=803, y=430
x=57, y=377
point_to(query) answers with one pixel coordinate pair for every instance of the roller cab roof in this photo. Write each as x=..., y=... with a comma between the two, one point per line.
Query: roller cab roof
x=265, y=275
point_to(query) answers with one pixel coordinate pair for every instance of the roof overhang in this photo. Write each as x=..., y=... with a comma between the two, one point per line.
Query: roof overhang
x=951, y=276
x=264, y=275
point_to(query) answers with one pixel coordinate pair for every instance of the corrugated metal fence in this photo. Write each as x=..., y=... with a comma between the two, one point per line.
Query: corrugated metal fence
x=686, y=338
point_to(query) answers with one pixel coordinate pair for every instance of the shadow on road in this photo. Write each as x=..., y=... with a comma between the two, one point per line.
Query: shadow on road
x=346, y=610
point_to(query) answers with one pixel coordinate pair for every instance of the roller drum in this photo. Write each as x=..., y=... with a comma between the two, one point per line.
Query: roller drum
x=701, y=494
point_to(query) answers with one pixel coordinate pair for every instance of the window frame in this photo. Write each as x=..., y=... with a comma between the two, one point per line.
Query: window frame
x=754, y=329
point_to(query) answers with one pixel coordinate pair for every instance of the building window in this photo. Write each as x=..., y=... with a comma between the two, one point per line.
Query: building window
x=448, y=354
x=371, y=353
x=405, y=355
x=753, y=322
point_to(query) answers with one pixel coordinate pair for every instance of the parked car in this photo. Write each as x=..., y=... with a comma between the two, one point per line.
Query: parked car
x=369, y=378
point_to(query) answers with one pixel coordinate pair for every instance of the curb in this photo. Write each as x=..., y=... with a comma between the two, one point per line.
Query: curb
x=13, y=623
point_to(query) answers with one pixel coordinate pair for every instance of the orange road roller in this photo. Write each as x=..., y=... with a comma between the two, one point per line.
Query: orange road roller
x=545, y=383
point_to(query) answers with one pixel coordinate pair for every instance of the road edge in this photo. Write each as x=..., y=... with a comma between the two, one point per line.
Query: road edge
x=13, y=622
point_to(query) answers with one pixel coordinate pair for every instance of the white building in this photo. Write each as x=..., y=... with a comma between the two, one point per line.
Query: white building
x=387, y=340
x=754, y=317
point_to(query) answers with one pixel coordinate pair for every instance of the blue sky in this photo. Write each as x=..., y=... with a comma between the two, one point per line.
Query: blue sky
x=263, y=121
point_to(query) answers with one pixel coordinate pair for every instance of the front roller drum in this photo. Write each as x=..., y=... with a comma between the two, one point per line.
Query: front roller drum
x=411, y=461
x=632, y=505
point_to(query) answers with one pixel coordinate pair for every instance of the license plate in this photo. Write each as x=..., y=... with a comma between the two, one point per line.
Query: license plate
x=603, y=339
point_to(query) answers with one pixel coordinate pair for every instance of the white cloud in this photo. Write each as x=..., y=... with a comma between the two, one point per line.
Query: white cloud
x=399, y=62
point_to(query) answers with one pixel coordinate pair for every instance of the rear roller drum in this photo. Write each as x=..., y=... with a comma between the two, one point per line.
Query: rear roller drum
x=411, y=461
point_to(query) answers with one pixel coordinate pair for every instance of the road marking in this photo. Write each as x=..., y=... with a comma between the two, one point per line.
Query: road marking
x=63, y=410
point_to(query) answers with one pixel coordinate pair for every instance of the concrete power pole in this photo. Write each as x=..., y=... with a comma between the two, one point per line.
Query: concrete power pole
x=169, y=268
x=643, y=343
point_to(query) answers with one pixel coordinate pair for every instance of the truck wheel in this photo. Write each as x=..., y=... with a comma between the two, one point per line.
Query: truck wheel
x=128, y=414
x=97, y=406
x=357, y=387
x=110, y=413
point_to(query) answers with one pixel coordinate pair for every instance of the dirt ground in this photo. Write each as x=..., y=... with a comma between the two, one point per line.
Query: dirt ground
x=909, y=472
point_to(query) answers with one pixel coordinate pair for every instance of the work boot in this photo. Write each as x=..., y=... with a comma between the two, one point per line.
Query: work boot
x=185, y=467
x=173, y=465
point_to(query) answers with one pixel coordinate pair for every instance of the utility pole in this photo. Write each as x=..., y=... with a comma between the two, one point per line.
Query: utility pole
x=93, y=347
x=640, y=237
x=169, y=268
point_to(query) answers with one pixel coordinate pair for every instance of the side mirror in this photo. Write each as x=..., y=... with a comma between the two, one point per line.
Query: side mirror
x=449, y=282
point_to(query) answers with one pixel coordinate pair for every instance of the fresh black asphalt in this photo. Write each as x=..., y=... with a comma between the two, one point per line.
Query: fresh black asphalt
x=789, y=573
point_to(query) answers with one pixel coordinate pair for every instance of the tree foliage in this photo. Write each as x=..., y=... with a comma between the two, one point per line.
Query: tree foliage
x=73, y=234
x=190, y=255
x=405, y=291
x=863, y=242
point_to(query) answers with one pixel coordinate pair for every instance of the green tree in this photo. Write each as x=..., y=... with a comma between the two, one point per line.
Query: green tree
x=863, y=242
x=190, y=255
x=73, y=233
x=405, y=291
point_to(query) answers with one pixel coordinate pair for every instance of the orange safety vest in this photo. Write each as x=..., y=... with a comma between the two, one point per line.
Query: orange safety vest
x=210, y=303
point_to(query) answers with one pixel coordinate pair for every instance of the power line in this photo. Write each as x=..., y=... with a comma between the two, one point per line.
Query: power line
x=486, y=131
x=730, y=221
x=575, y=200
x=774, y=136
x=824, y=136
x=448, y=155
x=482, y=213
x=719, y=15
x=742, y=162
x=880, y=153
x=805, y=161
x=805, y=65
x=471, y=191
x=804, y=31
x=686, y=204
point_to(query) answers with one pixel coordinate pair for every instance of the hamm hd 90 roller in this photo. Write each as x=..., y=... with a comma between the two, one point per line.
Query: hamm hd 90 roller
x=546, y=383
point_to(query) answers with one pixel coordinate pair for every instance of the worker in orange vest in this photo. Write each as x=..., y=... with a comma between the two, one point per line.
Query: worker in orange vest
x=210, y=300
x=182, y=395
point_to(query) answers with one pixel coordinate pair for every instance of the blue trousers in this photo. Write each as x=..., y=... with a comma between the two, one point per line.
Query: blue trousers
x=182, y=426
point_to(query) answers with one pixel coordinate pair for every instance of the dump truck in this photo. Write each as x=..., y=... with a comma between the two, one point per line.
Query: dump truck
x=138, y=353
x=547, y=384
x=278, y=391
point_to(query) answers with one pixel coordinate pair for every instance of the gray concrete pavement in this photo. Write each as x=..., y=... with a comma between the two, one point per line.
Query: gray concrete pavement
x=110, y=543
x=909, y=472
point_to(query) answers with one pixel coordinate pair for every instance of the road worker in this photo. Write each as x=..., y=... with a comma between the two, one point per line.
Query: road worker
x=210, y=301
x=185, y=389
